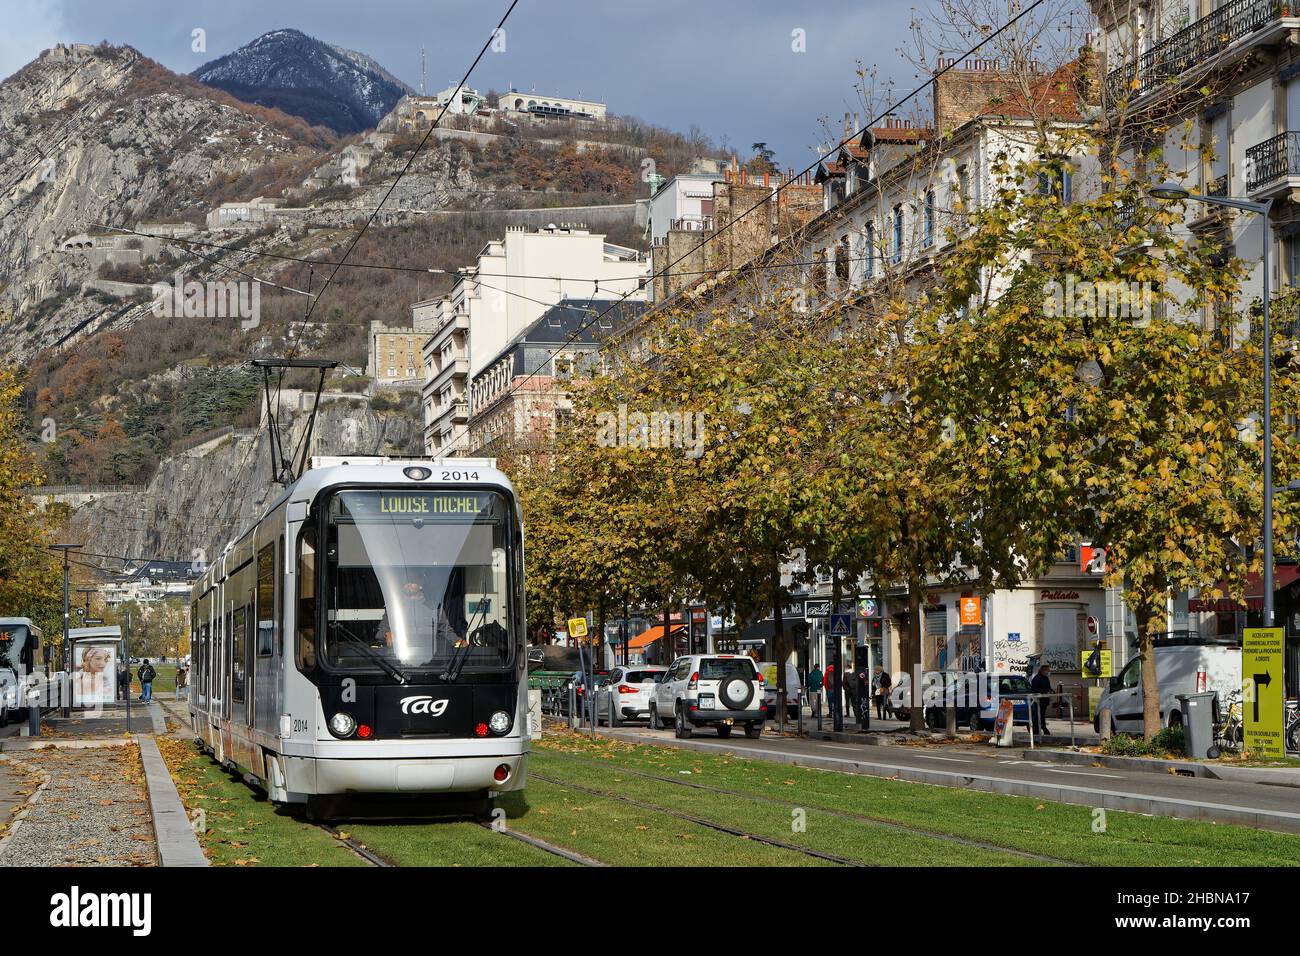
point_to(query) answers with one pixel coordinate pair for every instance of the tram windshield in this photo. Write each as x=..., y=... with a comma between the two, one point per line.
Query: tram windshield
x=418, y=580
x=13, y=641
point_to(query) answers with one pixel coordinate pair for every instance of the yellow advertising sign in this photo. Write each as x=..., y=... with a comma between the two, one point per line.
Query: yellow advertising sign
x=1107, y=667
x=1261, y=690
x=577, y=627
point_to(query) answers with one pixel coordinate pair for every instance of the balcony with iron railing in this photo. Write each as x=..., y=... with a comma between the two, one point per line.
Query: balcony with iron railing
x=1273, y=166
x=1194, y=45
x=691, y=224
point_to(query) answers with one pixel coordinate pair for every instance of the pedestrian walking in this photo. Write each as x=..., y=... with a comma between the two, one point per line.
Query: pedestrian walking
x=864, y=686
x=881, y=684
x=1042, y=684
x=850, y=688
x=182, y=678
x=146, y=673
x=828, y=685
x=123, y=680
x=814, y=685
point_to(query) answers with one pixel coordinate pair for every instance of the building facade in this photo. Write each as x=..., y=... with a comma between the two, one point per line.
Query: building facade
x=1215, y=86
x=515, y=280
x=519, y=397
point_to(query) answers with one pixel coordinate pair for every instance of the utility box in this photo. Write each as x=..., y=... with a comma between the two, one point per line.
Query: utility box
x=1198, y=722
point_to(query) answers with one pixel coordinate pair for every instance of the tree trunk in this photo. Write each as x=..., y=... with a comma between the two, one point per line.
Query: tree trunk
x=1146, y=622
x=913, y=656
x=837, y=683
x=669, y=645
x=779, y=652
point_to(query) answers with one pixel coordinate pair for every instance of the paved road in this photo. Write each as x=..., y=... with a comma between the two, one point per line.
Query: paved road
x=1009, y=772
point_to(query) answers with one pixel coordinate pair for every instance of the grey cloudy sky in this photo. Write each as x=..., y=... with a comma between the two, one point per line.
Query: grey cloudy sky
x=724, y=65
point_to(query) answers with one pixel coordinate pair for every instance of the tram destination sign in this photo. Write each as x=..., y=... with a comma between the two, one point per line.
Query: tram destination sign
x=435, y=506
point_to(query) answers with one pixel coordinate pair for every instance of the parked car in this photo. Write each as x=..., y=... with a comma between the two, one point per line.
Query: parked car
x=578, y=681
x=1183, y=668
x=793, y=689
x=630, y=690
x=718, y=689
x=1013, y=686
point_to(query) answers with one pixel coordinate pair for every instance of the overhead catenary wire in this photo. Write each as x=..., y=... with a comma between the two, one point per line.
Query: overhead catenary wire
x=916, y=91
x=411, y=160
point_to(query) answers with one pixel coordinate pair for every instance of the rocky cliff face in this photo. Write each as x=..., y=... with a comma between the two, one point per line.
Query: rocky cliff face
x=202, y=498
x=105, y=136
x=326, y=85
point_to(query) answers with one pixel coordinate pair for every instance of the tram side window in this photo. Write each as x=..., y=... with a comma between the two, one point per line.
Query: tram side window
x=306, y=617
x=266, y=600
x=237, y=656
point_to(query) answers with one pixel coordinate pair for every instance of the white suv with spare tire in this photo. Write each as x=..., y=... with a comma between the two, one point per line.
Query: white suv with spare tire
x=719, y=689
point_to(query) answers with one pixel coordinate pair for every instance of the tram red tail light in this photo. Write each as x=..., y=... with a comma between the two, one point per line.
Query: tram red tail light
x=502, y=773
x=365, y=731
x=481, y=730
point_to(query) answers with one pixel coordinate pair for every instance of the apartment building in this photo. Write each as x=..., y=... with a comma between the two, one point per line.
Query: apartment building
x=515, y=280
x=1221, y=79
x=519, y=397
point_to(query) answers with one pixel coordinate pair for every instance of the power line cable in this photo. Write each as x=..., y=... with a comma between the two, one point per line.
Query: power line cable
x=428, y=133
x=767, y=199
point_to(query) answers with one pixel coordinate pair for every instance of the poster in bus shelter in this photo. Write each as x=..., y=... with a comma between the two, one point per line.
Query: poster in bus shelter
x=94, y=673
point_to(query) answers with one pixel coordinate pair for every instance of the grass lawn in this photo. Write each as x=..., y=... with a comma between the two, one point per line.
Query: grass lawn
x=243, y=829
x=1060, y=831
x=856, y=817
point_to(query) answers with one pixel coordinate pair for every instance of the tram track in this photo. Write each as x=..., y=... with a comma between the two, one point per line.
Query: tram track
x=700, y=821
x=839, y=814
x=375, y=859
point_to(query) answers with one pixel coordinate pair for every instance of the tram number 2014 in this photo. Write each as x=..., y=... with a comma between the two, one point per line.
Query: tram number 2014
x=459, y=476
x=299, y=726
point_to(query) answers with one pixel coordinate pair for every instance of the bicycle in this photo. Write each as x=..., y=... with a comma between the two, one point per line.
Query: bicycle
x=1292, y=723
x=1229, y=731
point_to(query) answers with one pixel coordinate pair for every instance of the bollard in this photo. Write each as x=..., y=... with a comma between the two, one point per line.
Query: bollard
x=33, y=720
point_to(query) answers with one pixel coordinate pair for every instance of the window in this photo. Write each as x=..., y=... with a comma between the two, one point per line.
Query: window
x=869, y=254
x=563, y=366
x=306, y=616
x=238, y=650
x=897, y=251
x=929, y=218
x=266, y=629
x=963, y=184
x=842, y=259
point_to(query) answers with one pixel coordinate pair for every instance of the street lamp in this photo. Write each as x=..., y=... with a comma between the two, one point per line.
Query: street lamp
x=1171, y=191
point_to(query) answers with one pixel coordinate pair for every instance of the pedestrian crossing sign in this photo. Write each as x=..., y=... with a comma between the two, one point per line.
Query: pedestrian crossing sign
x=841, y=625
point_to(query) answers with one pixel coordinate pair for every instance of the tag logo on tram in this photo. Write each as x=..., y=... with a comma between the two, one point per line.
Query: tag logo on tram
x=424, y=704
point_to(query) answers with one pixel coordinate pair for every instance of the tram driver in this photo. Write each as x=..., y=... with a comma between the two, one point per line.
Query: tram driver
x=421, y=621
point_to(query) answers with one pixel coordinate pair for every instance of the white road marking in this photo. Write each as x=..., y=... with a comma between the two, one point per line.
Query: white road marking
x=1086, y=773
x=933, y=757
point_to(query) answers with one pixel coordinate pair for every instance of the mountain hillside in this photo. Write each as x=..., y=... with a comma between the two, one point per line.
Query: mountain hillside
x=326, y=85
x=103, y=136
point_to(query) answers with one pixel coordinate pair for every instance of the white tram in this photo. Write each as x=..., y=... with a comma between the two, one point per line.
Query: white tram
x=366, y=636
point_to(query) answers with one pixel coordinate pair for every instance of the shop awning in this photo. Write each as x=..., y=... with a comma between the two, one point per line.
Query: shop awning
x=766, y=630
x=1284, y=575
x=646, y=638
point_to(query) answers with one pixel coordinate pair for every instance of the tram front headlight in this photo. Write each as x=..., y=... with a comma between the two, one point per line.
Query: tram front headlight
x=499, y=723
x=342, y=725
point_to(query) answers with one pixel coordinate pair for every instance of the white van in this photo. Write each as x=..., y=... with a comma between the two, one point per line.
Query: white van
x=1180, y=669
x=793, y=686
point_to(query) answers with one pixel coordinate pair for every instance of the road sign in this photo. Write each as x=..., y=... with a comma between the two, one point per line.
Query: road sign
x=1105, y=664
x=816, y=607
x=577, y=627
x=841, y=625
x=1092, y=626
x=1261, y=690
x=970, y=610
